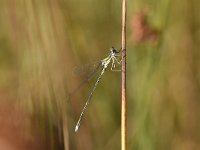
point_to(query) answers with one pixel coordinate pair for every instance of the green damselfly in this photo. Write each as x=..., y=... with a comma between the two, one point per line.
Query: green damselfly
x=112, y=59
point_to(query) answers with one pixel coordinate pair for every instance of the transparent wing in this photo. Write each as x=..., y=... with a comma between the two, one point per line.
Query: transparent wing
x=88, y=70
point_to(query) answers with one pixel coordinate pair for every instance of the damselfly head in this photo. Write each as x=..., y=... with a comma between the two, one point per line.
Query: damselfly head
x=113, y=50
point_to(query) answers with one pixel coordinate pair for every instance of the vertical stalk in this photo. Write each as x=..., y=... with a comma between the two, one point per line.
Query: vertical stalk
x=123, y=104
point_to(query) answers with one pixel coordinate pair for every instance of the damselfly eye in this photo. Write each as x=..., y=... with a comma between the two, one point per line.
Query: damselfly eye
x=113, y=50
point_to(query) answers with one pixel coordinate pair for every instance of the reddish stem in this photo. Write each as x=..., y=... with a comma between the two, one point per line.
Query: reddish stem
x=123, y=109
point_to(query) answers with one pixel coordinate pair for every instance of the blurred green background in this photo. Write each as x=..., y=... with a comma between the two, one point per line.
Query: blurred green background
x=42, y=41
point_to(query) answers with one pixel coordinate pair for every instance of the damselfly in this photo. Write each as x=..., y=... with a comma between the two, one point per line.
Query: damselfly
x=104, y=63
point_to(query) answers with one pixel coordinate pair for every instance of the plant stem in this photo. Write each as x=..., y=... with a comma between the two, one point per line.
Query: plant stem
x=123, y=109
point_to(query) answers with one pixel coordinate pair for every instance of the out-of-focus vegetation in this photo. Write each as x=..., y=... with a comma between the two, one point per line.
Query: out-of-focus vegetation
x=42, y=41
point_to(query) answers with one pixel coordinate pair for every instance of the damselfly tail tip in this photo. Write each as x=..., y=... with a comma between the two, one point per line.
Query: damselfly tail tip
x=76, y=128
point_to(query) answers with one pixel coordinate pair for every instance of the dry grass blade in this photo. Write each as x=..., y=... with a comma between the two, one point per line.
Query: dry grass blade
x=123, y=111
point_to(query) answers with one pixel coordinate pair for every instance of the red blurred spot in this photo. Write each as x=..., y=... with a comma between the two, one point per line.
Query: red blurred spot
x=141, y=31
